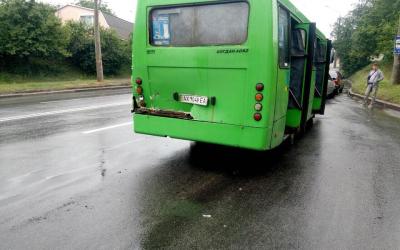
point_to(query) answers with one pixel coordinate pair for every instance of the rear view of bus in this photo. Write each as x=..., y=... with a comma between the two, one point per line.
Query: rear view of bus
x=209, y=71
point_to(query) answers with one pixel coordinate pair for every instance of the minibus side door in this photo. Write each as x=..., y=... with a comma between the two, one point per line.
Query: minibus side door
x=321, y=111
x=301, y=82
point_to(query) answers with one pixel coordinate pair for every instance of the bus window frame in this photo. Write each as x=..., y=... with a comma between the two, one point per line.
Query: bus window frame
x=324, y=48
x=305, y=39
x=160, y=7
x=289, y=37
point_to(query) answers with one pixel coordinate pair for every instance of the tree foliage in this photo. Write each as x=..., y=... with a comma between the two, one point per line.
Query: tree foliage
x=81, y=46
x=29, y=29
x=90, y=4
x=34, y=41
x=368, y=30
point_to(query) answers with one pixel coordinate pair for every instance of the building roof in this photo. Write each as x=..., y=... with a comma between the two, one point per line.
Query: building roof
x=73, y=5
x=122, y=27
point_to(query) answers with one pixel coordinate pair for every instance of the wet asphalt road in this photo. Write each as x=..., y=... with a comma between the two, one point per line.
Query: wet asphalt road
x=74, y=176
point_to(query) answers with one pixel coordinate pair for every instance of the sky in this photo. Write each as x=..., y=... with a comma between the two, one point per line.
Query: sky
x=323, y=12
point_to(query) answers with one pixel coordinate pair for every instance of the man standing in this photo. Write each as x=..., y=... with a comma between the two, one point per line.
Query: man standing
x=374, y=77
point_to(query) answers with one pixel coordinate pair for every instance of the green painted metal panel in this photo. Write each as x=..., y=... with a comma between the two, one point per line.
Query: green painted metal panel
x=293, y=118
x=317, y=103
x=217, y=133
x=227, y=72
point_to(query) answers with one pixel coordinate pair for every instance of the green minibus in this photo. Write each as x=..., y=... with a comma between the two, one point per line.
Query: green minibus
x=240, y=73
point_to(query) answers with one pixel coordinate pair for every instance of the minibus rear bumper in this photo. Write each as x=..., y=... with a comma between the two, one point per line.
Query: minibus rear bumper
x=215, y=133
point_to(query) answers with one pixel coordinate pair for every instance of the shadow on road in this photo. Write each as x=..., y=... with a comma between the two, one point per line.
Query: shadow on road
x=239, y=162
x=229, y=184
x=235, y=161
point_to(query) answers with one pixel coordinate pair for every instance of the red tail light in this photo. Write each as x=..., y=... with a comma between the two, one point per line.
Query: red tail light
x=260, y=87
x=257, y=117
x=139, y=81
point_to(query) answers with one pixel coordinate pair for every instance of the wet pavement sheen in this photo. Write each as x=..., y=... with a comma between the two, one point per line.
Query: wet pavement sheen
x=84, y=180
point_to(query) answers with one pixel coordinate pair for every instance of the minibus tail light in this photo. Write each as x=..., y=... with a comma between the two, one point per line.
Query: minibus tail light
x=139, y=81
x=259, y=97
x=260, y=87
x=139, y=90
x=257, y=117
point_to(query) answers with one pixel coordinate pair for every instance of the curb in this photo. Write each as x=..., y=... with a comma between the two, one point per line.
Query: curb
x=66, y=91
x=381, y=103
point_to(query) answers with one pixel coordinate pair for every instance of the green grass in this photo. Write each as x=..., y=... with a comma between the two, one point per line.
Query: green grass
x=26, y=87
x=387, y=91
x=68, y=78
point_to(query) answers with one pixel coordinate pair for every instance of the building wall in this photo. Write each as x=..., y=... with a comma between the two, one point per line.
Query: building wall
x=72, y=13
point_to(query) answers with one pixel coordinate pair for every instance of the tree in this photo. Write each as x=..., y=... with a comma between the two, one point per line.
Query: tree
x=396, y=64
x=30, y=30
x=116, y=52
x=90, y=4
x=368, y=30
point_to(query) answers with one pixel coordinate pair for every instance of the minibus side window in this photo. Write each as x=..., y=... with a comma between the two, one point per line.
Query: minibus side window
x=319, y=64
x=200, y=25
x=283, y=38
x=320, y=52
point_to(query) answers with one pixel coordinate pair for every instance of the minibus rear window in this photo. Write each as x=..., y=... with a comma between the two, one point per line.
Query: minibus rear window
x=200, y=25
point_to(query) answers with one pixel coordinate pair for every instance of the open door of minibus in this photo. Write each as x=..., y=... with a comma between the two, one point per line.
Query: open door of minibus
x=301, y=76
x=328, y=61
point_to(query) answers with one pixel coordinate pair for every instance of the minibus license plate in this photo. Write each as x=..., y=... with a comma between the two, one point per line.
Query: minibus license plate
x=192, y=99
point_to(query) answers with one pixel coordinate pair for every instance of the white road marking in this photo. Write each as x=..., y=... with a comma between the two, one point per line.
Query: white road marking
x=58, y=112
x=107, y=128
x=78, y=99
x=70, y=100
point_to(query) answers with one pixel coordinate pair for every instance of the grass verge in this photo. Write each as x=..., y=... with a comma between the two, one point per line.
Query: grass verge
x=62, y=77
x=387, y=91
x=41, y=86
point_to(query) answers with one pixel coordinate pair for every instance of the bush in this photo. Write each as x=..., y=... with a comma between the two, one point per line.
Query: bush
x=29, y=30
x=34, y=42
x=115, y=51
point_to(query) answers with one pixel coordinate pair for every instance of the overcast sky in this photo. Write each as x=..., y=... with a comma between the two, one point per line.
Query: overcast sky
x=323, y=12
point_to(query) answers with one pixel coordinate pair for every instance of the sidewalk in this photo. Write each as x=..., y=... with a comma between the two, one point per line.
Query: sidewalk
x=380, y=103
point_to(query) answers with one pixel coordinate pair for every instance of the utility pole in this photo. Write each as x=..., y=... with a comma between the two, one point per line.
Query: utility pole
x=396, y=62
x=97, y=42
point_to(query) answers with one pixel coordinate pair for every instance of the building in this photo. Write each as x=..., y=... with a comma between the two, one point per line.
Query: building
x=81, y=14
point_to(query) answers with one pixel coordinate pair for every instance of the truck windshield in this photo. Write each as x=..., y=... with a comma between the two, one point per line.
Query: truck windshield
x=200, y=25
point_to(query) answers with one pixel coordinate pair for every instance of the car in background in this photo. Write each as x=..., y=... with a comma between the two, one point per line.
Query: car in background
x=337, y=78
x=332, y=90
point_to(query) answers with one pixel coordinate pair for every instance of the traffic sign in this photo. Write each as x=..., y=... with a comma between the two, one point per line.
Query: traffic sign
x=397, y=46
